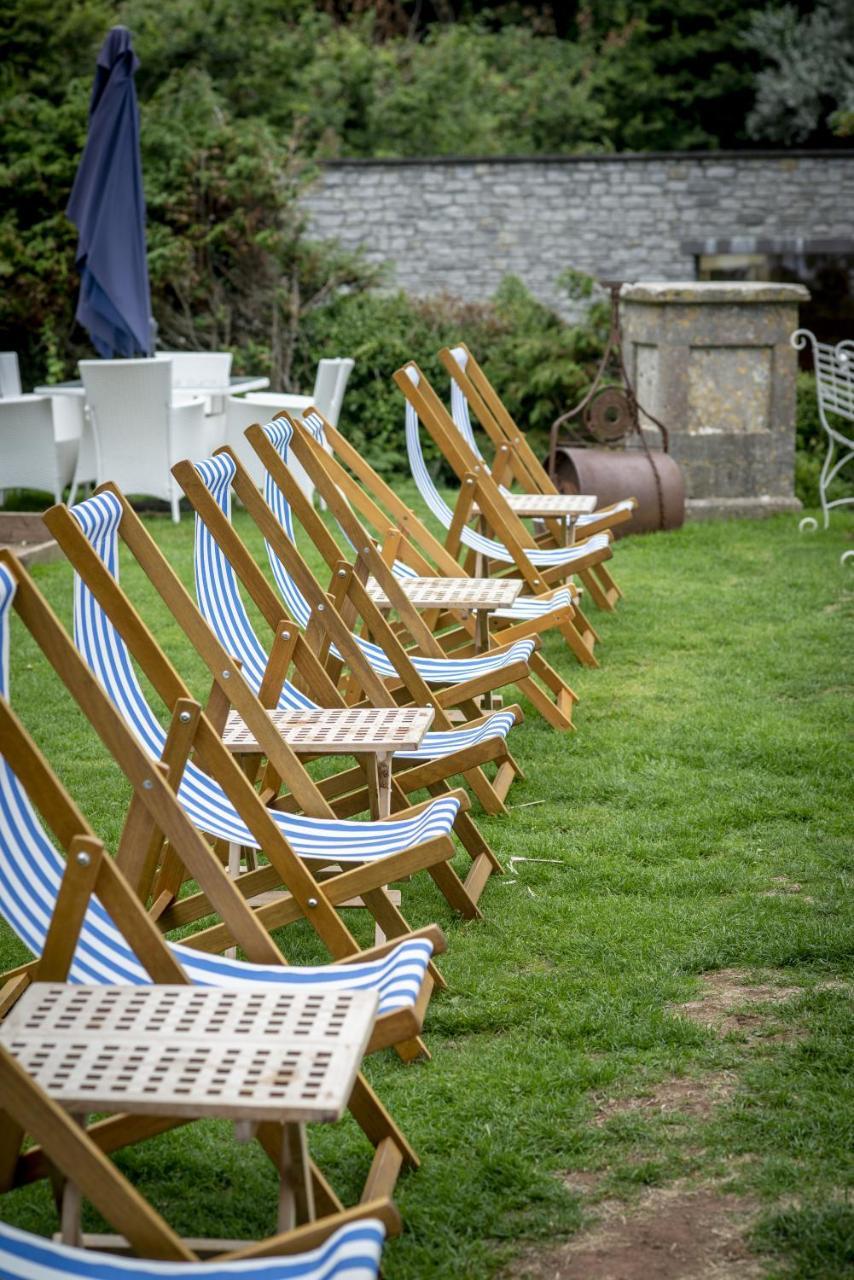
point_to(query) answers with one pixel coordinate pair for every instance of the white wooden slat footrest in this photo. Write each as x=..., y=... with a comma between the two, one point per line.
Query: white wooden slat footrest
x=482, y=594
x=249, y=1055
x=333, y=730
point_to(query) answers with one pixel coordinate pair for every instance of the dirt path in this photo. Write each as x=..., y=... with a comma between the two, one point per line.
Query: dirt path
x=692, y=1229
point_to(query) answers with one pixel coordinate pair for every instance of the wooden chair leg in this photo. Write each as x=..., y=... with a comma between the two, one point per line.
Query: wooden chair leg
x=454, y=890
x=554, y=714
x=608, y=584
x=579, y=637
x=598, y=594
x=469, y=834
x=376, y=1122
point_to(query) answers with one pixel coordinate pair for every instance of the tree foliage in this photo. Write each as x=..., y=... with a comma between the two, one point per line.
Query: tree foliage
x=231, y=266
x=240, y=98
x=541, y=365
x=400, y=79
x=806, y=85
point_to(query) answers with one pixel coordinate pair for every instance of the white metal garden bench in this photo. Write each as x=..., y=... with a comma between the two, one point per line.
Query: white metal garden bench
x=834, y=380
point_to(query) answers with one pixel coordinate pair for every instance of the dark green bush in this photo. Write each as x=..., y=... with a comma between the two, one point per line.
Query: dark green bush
x=231, y=266
x=539, y=364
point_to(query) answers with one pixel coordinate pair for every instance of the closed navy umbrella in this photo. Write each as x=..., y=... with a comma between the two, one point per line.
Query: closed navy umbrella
x=108, y=208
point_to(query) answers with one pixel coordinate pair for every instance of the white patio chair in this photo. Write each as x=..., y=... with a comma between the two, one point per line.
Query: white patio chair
x=10, y=374
x=244, y=411
x=258, y=406
x=330, y=383
x=38, y=444
x=192, y=369
x=138, y=432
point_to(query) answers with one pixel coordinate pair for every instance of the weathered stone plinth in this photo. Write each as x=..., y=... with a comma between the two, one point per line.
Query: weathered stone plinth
x=713, y=362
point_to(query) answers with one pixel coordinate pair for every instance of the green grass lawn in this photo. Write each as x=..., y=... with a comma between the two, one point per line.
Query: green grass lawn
x=699, y=820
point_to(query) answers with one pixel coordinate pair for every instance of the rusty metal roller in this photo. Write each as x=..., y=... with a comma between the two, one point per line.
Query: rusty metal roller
x=614, y=474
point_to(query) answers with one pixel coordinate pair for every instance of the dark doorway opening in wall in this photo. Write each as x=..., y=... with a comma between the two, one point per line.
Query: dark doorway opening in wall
x=826, y=267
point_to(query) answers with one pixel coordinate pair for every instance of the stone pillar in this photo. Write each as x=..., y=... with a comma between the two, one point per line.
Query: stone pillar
x=712, y=360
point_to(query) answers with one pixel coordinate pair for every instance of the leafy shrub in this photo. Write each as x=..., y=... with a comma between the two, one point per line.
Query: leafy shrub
x=48, y=63
x=539, y=364
x=230, y=263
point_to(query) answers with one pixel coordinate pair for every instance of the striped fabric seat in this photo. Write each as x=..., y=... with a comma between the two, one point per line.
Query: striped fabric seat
x=352, y=1253
x=462, y=421
x=543, y=558
x=440, y=671
x=219, y=598
x=203, y=799
x=31, y=870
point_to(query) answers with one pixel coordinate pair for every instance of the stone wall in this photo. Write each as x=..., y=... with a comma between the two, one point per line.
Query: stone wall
x=461, y=225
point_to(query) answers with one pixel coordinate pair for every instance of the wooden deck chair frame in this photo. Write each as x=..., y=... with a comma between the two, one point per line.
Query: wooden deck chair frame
x=65, y=1148
x=290, y=651
x=90, y=872
x=357, y=607
x=554, y=701
x=514, y=457
x=307, y=897
x=478, y=486
x=154, y=811
x=402, y=535
x=155, y=814
x=349, y=593
x=557, y=713
x=345, y=791
x=70, y=1152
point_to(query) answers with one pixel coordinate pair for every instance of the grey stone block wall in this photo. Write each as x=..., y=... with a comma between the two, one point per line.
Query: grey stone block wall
x=461, y=225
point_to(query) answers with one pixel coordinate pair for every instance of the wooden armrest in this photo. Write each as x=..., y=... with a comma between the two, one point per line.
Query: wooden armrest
x=313, y=1234
x=430, y=931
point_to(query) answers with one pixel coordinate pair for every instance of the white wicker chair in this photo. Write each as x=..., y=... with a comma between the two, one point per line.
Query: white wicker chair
x=38, y=446
x=138, y=432
x=258, y=406
x=242, y=412
x=198, y=368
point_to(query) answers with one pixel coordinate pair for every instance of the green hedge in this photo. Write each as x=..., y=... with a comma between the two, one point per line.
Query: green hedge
x=540, y=365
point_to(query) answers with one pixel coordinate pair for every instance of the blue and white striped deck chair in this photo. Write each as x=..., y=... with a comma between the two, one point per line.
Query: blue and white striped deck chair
x=457, y=361
x=352, y=1253
x=540, y=566
x=31, y=871
x=220, y=601
x=385, y=845
x=499, y=666
x=527, y=615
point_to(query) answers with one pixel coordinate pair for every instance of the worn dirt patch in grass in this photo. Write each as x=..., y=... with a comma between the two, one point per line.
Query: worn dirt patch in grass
x=726, y=992
x=671, y=1233
x=783, y=887
x=691, y=1096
